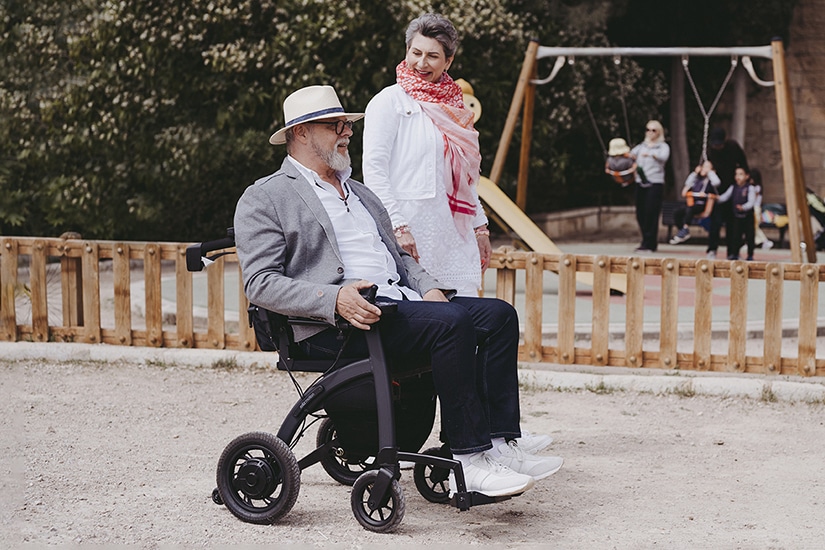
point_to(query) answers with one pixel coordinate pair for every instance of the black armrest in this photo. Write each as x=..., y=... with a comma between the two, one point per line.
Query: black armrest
x=197, y=252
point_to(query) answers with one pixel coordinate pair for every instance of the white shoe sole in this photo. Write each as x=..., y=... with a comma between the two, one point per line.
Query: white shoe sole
x=551, y=472
x=499, y=493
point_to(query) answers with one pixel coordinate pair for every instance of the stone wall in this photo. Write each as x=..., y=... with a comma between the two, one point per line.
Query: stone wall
x=805, y=61
x=604, y=223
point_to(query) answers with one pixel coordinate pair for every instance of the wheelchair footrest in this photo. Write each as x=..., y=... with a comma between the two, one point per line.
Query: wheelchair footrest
x=464, y=501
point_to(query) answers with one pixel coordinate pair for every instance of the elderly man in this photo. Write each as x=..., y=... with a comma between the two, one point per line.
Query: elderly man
x=309, y=238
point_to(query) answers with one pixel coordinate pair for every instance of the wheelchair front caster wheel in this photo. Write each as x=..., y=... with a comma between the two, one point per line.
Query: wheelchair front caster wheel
x=388, y=515
x=433, y=482
x=216, y=497
x=258, y=478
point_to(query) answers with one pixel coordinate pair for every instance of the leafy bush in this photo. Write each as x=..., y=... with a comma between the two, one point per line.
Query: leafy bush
x=146, y=119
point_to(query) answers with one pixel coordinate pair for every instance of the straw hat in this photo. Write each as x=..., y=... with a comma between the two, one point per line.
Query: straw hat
x=618, y=146
x=308, y=104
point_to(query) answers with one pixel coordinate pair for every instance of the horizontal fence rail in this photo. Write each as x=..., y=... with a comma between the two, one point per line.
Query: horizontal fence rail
x=53, y=290
x=78, y=294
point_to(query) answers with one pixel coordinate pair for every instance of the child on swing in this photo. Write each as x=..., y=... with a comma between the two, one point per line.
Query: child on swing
x=620, y=165
x=700, y=195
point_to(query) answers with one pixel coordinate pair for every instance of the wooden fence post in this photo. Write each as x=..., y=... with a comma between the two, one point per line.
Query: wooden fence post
x=39, y=294
x=567, y=309
x=154, y=300
x=183, y=301
x=91, y=292
x=8, y=281
x=533, y=302
x=600, y=334
x=670, y=313
x=121, y=271
x=216, y=323
x=808, y=301
x=71, y=282
x=703, y=315
x=738, y=315
x=772, y=333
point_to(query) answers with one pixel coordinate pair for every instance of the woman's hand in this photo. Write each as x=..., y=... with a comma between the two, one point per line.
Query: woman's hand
x=485, y=251
x=407, y=242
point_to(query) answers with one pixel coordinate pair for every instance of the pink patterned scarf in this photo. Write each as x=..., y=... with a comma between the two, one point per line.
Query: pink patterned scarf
x=443, y=102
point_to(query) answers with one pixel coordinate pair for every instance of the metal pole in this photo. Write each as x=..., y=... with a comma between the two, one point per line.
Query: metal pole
x=752, y=51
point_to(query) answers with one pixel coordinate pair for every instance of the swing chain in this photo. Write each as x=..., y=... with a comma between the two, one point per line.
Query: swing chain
x=617, y=61
x=734, y=61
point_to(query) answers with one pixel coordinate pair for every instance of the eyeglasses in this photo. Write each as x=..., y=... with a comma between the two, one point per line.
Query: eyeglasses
x=651, y=130
x=339, y=125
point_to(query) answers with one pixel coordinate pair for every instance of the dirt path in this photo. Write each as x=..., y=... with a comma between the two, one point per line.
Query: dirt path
x=121, y=453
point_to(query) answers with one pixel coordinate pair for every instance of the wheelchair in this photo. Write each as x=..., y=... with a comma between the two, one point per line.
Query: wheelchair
x=371, y=416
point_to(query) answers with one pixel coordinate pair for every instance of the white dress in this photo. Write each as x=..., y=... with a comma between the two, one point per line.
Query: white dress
x=448, y=256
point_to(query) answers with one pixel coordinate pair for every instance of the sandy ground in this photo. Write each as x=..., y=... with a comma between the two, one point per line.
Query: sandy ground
x=125, y=454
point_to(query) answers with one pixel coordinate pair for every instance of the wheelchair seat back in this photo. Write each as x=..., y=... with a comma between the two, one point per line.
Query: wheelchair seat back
x=274, y=333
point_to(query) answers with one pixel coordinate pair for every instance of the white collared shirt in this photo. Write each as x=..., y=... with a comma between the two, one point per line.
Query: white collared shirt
x=364, y=254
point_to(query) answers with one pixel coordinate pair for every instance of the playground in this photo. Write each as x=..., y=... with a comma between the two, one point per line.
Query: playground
x=120, y=448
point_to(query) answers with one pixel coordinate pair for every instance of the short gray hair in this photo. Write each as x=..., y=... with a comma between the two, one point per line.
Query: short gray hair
x=438, y=27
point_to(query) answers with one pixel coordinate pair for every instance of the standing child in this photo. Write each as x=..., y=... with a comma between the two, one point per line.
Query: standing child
x=743, y=200
x=700, y=194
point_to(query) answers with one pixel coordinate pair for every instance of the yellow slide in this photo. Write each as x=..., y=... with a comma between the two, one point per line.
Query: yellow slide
x=509, y=213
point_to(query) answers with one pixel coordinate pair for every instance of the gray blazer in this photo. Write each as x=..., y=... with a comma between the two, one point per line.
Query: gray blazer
x=288, y=253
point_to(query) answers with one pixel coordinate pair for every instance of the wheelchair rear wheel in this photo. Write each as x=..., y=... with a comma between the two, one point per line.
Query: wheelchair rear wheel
x=388, y=515
x=341, y=466
x=433, y=481
x=258, y=478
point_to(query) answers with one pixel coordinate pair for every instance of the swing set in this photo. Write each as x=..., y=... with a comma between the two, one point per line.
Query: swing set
x=801, y=237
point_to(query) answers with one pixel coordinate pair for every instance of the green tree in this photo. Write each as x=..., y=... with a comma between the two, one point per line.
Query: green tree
x=146, y=119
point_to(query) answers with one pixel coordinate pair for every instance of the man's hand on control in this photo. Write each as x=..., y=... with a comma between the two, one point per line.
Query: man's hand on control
x=352, y=307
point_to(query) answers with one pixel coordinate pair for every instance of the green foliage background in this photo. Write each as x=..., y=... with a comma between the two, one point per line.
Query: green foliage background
x=146, y=119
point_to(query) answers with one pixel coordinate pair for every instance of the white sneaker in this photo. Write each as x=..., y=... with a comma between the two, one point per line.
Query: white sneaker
x=767, y=245
x=533, y=443
x=488, y=476
x=537, y=467
x=712, y=255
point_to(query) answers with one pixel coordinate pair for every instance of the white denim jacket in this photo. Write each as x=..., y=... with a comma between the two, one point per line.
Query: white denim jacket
x=403, y=153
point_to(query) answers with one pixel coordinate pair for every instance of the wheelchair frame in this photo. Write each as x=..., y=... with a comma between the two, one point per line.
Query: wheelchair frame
x=258, y=476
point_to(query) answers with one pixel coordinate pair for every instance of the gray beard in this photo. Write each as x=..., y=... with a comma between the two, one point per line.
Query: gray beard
x=335, y=160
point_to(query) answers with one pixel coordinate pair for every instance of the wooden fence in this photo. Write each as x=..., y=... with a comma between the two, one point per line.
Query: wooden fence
x=35, y=307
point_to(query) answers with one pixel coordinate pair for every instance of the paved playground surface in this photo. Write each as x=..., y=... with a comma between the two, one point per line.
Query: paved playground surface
x=124, y=452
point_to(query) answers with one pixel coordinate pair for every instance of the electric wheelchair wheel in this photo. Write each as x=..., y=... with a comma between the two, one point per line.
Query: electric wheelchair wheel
x=386, y=517
x=258, y=478
x=433, y=482
x=216, y=497
x=341, y=466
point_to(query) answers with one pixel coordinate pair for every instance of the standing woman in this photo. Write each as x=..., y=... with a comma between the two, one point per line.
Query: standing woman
x=651, y=156
x=421, y=157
